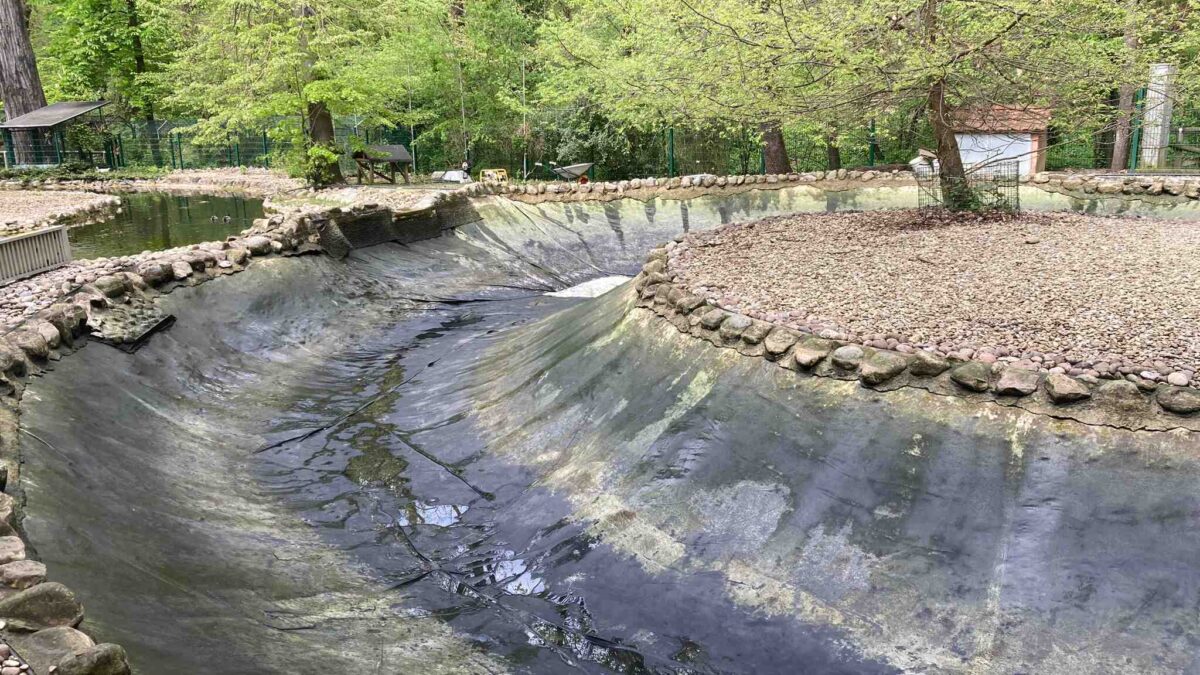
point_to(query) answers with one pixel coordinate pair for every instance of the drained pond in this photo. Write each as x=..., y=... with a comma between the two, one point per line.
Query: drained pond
x=151, y=221
x=429, y=458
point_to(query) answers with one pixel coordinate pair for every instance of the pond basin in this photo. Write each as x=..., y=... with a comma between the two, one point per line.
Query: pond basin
x=153, y=221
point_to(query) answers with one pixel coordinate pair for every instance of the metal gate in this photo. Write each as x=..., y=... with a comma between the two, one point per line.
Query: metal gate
x=26, y=254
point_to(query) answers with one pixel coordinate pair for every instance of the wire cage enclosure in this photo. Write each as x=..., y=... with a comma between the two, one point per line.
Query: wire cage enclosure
x=991, y=187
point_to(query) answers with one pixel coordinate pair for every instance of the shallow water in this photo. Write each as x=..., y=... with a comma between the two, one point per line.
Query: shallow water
x=414, y=460
x=152, y=221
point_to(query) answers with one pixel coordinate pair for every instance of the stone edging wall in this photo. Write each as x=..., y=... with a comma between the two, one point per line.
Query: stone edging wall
x=1116, y=184
x=1116, y=403
x=688, y=187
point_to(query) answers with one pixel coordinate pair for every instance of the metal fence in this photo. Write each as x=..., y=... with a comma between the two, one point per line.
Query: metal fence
x=665, y=151
x=993, y=187
x=26, y=254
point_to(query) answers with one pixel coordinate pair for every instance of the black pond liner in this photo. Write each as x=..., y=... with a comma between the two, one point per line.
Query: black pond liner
x=414, y=461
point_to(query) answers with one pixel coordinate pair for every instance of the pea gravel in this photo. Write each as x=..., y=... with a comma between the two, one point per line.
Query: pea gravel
x=23, y=208
x=1107, y=297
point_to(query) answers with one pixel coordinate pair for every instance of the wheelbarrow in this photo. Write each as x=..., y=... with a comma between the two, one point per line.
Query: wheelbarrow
x=573, y=171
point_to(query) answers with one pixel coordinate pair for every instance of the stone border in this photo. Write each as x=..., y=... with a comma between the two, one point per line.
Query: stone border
x=1115, y=403
x=688, y=187
x=93, y=208
x=1111, y=185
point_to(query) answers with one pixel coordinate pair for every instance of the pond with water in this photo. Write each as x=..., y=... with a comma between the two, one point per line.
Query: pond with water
x=153, y=221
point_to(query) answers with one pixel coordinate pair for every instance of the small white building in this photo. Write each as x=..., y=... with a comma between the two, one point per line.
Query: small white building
x=987, y=134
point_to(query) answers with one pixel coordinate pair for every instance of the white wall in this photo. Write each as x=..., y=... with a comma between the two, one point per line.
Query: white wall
x=981, y=147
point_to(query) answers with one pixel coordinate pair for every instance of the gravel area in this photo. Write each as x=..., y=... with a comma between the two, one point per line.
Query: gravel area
x=29, y=209
x=1107, y=297
x=398, y=198
x=256, y=182
x=250, y=182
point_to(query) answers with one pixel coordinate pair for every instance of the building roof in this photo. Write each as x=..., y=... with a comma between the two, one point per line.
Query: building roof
x=52, y=115
x=389, y=153
x=1000, y=119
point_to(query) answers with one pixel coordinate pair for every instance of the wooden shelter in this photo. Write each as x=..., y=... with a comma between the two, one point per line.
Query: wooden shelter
x=987, y=134
x=39, y=138
x=389, y=158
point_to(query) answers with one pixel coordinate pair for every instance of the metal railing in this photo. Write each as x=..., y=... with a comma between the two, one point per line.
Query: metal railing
x=26, y=254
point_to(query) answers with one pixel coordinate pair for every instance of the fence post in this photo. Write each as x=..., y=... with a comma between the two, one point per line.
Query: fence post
x=237, y=151
x=1157, y=104
x=671, y=152
x=266, y=151
x=871, y=147
x=57, y=146
x=10, y=154
x=179, y=144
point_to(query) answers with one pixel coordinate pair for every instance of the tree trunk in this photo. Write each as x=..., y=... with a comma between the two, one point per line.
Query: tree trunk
x=139, y=66
x=774, y=149
x=320, y=133
x=956, y=194
x=22, y=88
x=321, y=163
x=833, y=154
x=1124, y=126
x=1120, y=154
x=952, y=175
x=20, y=85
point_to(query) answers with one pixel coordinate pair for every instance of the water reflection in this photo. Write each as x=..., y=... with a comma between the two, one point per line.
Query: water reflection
x=422, y=513
x=152, y=221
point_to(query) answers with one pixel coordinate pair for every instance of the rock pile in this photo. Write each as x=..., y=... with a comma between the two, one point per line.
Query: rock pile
x=38, y=617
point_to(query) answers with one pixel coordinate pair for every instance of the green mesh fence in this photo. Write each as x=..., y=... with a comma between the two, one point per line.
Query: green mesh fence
x=562, y=137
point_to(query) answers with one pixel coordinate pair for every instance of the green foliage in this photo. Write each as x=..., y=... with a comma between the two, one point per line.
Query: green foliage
x=78, y=171
x=495, y=81
x=85, y=137
x=88, y=49
x=832, y=63
x=320, y=165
